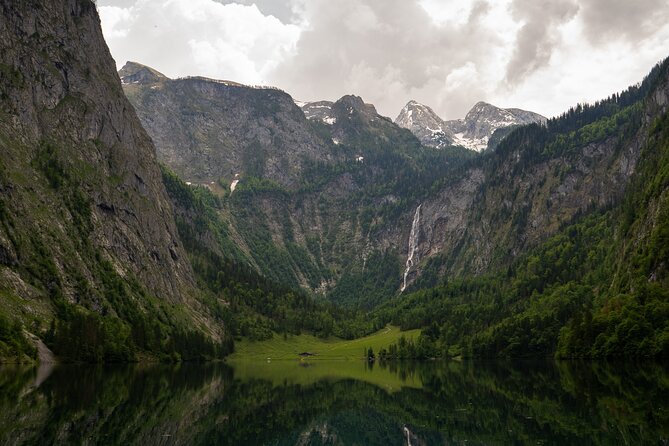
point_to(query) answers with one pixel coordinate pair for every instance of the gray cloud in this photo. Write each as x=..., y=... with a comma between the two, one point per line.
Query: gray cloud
x=538, y=37
x=479, y=9
x=631, y=20
x=389, y=52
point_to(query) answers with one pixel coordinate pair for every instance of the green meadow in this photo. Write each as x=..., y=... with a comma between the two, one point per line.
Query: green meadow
x=278, y=360
x=284, y=348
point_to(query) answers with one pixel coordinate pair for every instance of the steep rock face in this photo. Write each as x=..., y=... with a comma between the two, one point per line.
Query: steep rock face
x=79, y=182
x=473, y=132
x=311, y=223
x=209, y=130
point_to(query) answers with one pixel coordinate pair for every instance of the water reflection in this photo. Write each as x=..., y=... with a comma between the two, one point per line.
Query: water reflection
x=287, y=403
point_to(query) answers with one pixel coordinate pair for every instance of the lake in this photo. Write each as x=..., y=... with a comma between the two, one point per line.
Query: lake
x=333, y=403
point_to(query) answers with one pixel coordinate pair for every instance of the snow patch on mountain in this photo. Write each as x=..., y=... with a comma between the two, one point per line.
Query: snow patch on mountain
x=473, y=132
x=319, y=111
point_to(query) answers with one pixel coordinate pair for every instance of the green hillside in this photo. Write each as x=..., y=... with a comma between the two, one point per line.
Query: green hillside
x=600, y=286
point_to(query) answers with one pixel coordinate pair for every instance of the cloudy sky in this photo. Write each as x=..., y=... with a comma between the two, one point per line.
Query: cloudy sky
x=540, y=55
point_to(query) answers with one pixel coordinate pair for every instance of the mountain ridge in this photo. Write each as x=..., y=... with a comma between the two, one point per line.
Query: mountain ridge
x=202, y=151
x=474, y=131
x=477, y=212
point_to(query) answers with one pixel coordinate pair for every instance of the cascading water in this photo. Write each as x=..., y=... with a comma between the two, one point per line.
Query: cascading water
x=408, y=434
x=413, y=244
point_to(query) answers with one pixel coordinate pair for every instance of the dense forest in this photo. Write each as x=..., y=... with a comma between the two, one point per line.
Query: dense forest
x=597, y=288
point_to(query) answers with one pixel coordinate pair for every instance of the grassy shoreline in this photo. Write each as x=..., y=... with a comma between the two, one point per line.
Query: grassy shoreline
x=289, y=348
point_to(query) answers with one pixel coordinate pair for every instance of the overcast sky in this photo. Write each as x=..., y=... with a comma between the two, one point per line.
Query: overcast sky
x=540, y=55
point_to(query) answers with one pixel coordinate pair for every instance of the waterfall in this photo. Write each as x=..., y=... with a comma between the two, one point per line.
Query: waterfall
x=413, y=244
x=408, y=434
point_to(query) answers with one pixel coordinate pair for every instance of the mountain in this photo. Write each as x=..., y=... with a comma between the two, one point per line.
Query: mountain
x=520, y=251
x=423, y=122
x=554, y=243
x=473, y=132
x=212, y=131
x=374, y=214
x=106, y=256
x=90, y=257
x=317, y=227
x=350, y=118
x=551, y=244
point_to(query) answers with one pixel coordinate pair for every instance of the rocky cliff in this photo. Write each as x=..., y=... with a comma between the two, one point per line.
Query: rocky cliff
x=304, y=224
x=210, y=130
x=85, y=219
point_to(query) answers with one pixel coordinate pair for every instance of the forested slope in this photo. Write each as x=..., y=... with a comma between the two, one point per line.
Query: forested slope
x=599, y=287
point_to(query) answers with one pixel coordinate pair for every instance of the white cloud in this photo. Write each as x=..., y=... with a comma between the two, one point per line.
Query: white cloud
x=199, y=37
x=114, y=21
x=581, y=70
x=536, y=54
x=444, y=12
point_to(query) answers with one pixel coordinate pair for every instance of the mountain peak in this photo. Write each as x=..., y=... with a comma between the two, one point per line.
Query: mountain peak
x=472, y=132
x=414, y=114
x=352, y=99
x=482, y=104
x=352, y=102
x=319, y=110
x=328, y=112
x=423, y=122
x=136, y=73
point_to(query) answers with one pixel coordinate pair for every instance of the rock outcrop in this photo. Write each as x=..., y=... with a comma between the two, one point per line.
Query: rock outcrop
x=210, y=130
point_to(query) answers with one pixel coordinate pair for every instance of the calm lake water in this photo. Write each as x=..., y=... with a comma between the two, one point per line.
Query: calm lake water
x=333, y=403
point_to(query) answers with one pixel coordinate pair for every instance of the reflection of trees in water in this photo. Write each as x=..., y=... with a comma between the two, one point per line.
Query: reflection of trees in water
x=494, y=402
x=113, y=404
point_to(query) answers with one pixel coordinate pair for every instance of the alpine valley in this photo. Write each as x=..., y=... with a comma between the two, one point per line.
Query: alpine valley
x=149, y=218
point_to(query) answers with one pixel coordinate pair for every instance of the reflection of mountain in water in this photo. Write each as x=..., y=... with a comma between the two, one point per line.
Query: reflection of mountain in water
x=476, y=403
